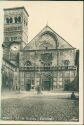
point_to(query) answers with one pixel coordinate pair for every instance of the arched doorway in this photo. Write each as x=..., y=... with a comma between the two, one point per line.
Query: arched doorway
x=47, y=82
x=28, y=85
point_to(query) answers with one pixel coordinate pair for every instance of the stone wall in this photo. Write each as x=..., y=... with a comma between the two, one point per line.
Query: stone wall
x=9, y=76
x=58, y=57
x=68, y=55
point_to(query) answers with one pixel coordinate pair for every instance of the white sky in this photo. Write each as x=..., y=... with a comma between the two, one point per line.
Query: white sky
x=66, y=18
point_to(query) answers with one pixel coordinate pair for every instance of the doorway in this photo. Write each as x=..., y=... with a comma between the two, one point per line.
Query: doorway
x=28, y=85
x=47, y=85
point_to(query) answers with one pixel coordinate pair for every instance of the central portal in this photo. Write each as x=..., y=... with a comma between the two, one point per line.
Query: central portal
x=47, y=82
x=28, y=85
x=47, y=85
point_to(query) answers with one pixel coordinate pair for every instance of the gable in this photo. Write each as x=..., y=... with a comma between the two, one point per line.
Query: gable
x=47, y=38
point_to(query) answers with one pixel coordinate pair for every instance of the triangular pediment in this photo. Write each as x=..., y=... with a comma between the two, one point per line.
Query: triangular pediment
x=47, y=38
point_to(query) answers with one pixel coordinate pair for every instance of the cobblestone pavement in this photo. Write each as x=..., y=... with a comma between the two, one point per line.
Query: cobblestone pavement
x=43, y=107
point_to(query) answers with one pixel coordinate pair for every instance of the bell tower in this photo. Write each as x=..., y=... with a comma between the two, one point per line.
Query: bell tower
x=15, y=30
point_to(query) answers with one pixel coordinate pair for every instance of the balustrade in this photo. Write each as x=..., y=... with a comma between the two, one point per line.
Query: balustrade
x=53, y=68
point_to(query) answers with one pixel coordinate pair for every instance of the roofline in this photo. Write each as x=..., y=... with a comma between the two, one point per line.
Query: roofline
x=34, y=37
x=17, y=9
x=14, y=66
x=53, y=31
x=60, y=36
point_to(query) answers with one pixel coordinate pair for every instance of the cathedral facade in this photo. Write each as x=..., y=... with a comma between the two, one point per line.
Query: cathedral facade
x=47, y=60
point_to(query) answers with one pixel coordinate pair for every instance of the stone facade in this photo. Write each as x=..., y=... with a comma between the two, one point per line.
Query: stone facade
x=47, y=60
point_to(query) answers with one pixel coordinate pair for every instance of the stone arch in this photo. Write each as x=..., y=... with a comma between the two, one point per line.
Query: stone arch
x=48, y=39
x=51, y=34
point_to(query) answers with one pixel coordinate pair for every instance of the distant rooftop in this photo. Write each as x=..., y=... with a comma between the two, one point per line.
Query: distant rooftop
x=16, y=8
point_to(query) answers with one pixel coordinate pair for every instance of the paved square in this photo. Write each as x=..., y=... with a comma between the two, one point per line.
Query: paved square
x=43, y=108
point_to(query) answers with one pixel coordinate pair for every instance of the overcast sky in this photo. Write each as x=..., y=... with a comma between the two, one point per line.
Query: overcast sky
x=66, y=18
